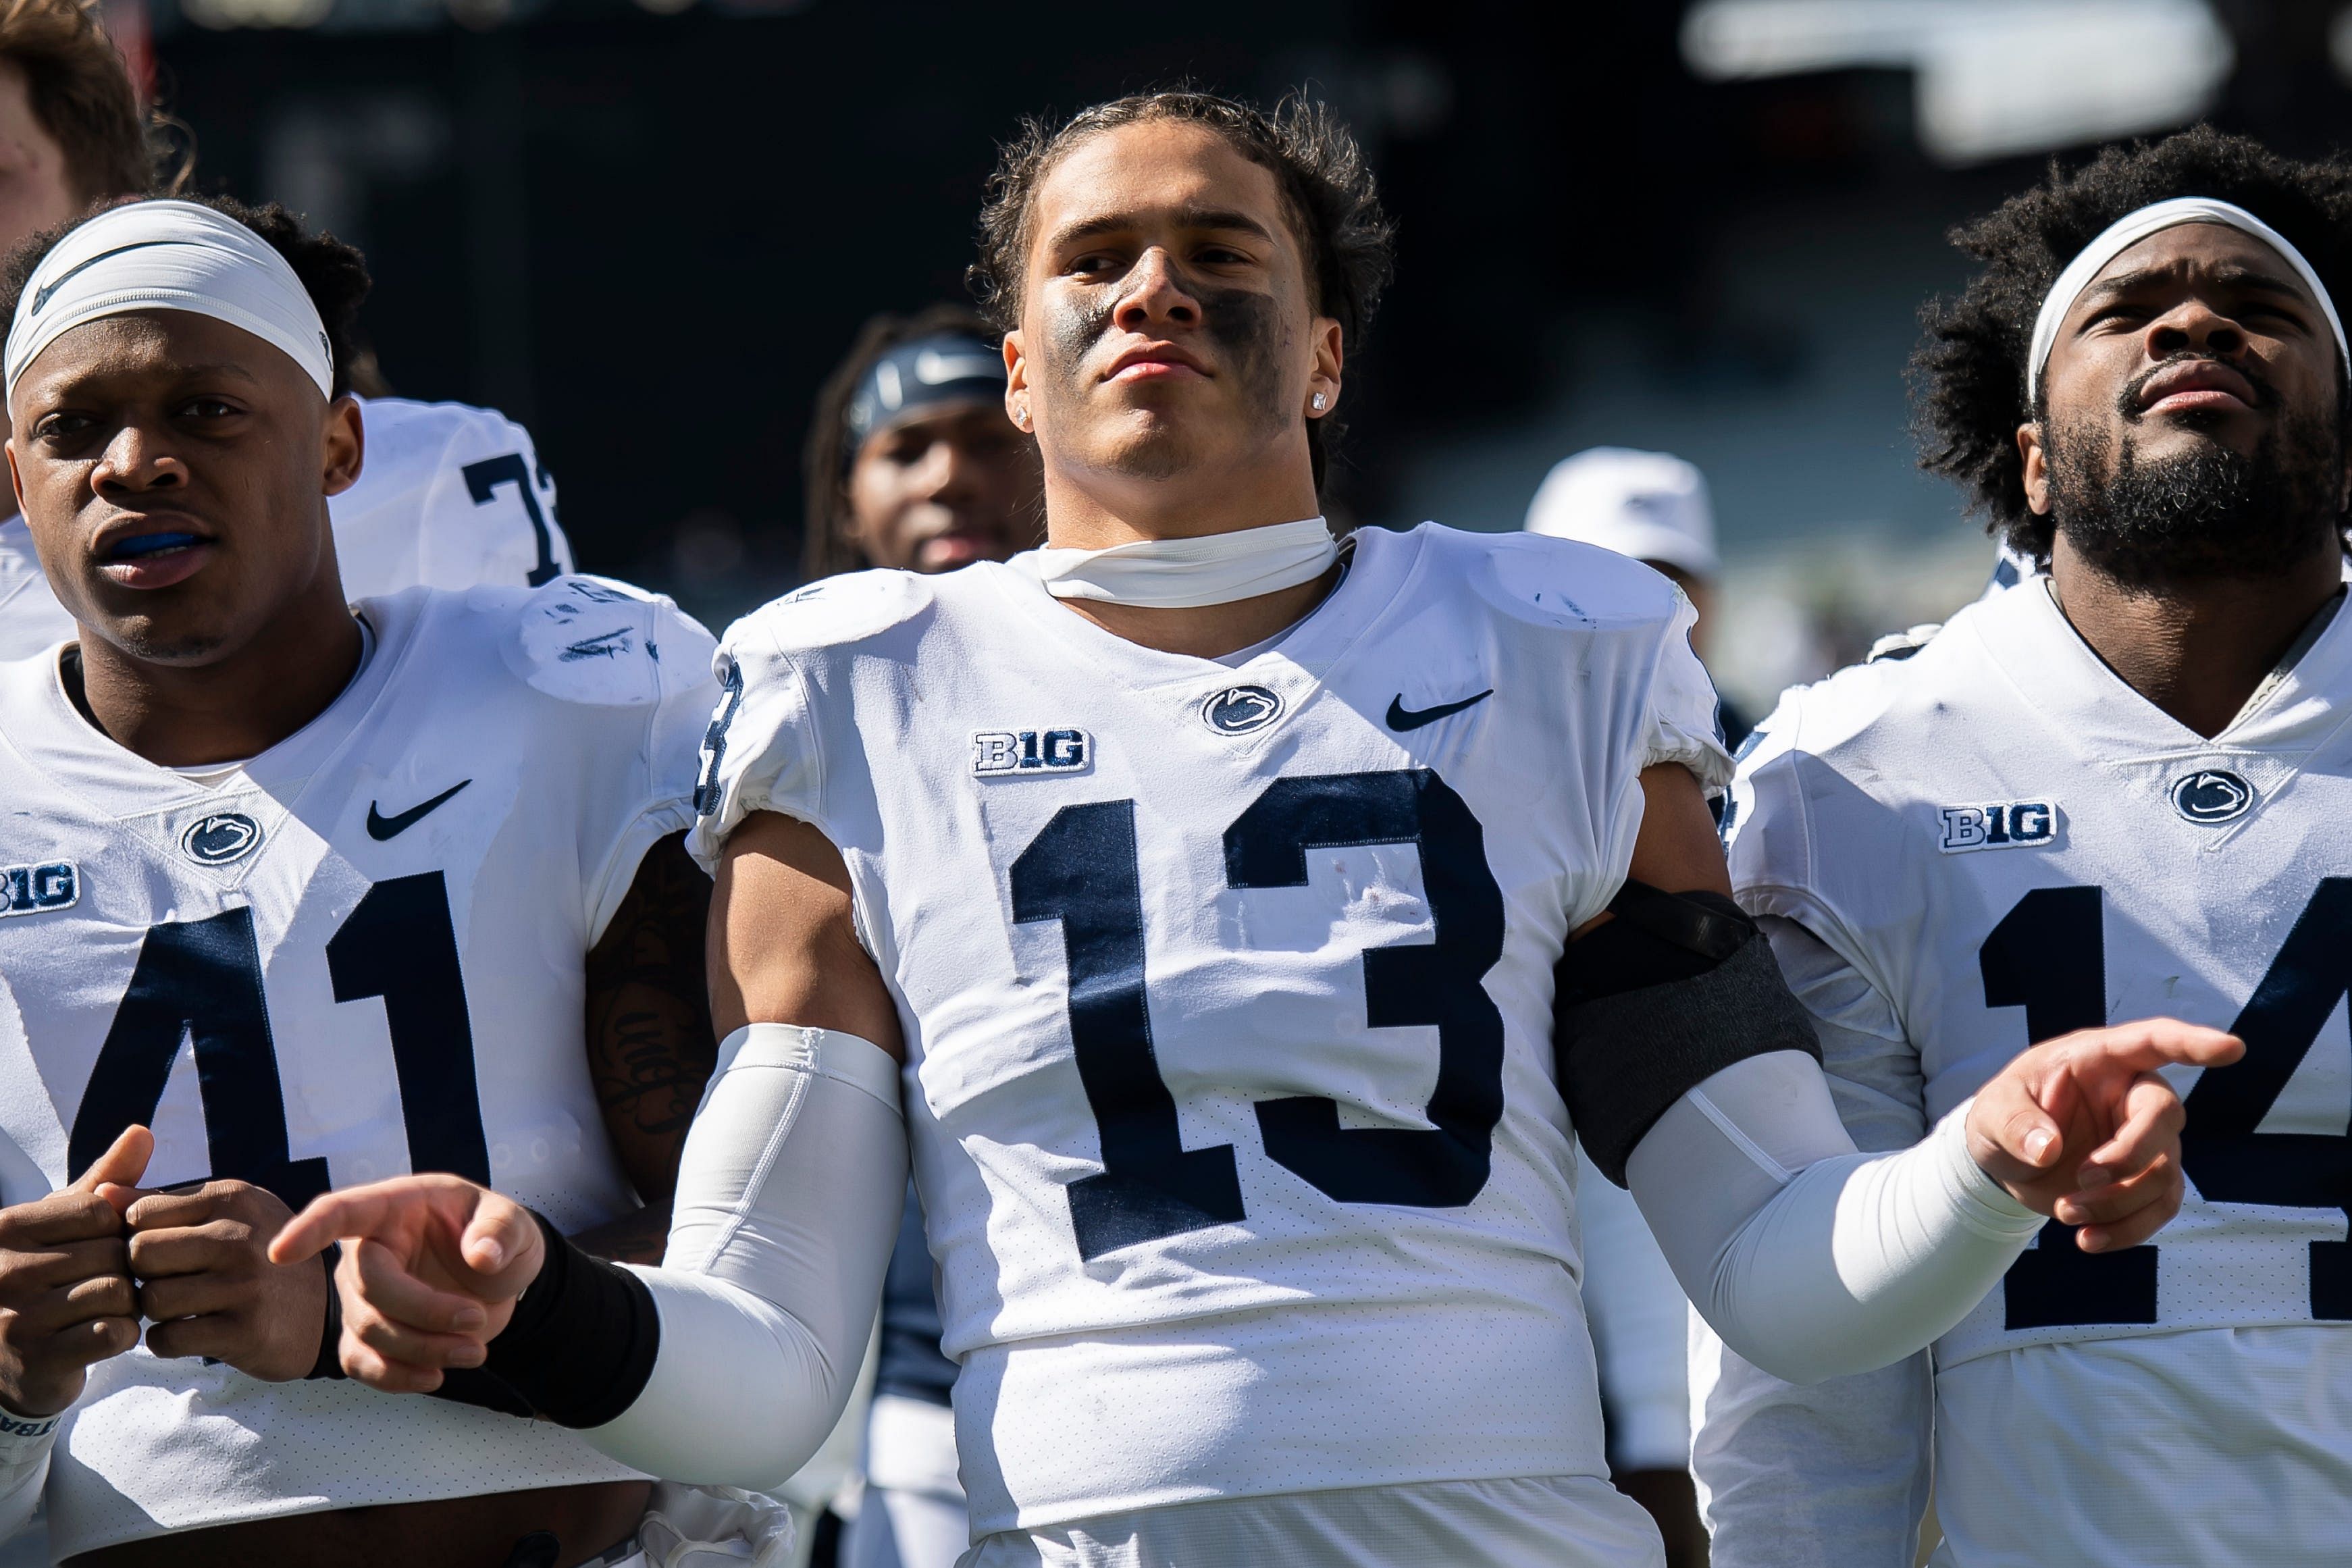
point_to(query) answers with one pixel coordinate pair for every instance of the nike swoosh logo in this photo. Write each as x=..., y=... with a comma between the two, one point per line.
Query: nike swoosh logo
x=382, y=827
x=43, y=295
x=1401, y=717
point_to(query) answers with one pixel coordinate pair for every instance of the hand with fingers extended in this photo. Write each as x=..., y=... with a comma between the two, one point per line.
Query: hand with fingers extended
x=432, y=1266
x=2084, y=1128
x=206, y=1282
x=66, y=1295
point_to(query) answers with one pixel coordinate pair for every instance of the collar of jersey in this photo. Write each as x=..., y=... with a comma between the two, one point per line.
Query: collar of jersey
x=2056, y=673
x=39, y=721
x=1384, y=563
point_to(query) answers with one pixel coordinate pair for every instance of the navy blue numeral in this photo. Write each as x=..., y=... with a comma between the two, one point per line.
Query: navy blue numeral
x=482, y=480
x=199, y=981
x=2221, y=1150
x=399, y=944
x=1081, y=870
x=2048, y=956
x=714, y=739
x=1446, y=1166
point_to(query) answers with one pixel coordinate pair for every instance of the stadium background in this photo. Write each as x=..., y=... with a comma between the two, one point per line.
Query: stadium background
x=648, y=228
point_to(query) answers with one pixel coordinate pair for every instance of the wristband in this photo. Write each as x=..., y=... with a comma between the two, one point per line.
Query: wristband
x=25, y=1438
x=329, y=1360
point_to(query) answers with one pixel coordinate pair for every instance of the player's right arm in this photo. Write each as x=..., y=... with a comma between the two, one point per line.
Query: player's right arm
x=67, y=1301
x=731, y=1361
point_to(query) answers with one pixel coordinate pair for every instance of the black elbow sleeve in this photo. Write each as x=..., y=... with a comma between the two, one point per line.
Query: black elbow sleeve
x=1673, y=990
x=580, y=1346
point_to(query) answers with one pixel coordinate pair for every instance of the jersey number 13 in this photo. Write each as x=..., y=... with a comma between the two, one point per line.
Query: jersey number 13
x=1081, y=869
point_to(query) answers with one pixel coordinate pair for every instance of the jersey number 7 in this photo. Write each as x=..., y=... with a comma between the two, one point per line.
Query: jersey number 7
x=1081, y=869
x=200, y=981
x=2048, y=956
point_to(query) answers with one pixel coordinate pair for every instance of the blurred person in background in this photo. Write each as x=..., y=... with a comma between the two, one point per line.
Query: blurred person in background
x=2120, y=782
x=913, y=464
x=1653, y=507
x=449, y=496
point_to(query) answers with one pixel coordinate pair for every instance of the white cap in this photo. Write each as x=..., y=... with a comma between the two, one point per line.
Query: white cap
x=1651, y=506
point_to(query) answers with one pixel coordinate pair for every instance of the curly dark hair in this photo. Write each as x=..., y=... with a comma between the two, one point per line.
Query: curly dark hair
x=1967, y=375
x=829, y=531
x=1348, y=242
x=333, y=274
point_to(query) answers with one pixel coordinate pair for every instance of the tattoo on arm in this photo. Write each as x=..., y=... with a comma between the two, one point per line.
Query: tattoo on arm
x=650, y=1045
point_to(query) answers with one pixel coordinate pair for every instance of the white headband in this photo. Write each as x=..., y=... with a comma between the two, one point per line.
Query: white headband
x=169, y=256
x=1185, y=574
x=2129, y=231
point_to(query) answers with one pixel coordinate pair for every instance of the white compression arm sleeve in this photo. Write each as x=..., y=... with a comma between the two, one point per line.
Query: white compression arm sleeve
x=1811, y=1259
x=788, y=1198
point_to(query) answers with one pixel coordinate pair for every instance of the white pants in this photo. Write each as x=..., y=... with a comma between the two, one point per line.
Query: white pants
x=1540, y=1522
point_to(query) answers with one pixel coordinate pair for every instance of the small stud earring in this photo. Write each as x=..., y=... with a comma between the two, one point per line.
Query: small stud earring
x=1320, y=401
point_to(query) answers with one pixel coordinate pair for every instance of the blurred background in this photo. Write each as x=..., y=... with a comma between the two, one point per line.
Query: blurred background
x=648, y=228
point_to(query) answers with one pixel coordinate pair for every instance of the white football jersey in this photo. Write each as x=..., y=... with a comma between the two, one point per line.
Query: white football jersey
x=2005, y=842
x=449, y=496
x=358, y=954
x=1227, y=994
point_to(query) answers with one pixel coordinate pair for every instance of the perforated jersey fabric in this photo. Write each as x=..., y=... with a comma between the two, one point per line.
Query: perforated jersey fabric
x=1277, y=939
x=1994, y=840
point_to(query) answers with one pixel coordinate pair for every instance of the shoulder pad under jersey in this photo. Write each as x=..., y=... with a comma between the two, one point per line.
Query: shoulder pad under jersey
x=848, y=608
x=595, y=641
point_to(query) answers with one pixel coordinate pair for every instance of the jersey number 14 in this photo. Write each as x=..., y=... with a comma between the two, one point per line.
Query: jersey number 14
x=2048, y=956
x=1081, y=869
x=200, y=981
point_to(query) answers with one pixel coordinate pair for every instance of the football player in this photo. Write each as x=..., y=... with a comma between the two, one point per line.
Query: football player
x=1210, y=888
x=449, y=496
x=2116, y=786
x=314, y=893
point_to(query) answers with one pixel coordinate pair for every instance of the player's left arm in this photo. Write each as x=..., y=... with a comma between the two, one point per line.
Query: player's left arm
x=1693, y=1075
x=650, y=1045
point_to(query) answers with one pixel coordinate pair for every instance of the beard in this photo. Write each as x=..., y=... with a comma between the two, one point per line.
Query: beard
x=2214, y=513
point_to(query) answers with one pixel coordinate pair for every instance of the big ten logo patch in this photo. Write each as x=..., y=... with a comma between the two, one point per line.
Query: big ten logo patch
x=2004, y=825
x=995, y=753
x=31, y=890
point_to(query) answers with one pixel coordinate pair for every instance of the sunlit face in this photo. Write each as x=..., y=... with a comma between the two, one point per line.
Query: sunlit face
x=1166, y=318
x=2200, y=335
x=952, y=485
x=174, y=471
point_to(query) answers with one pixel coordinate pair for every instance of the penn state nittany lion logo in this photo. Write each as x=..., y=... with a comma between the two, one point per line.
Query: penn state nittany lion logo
x=223, y=836
x=1238, y=710
x=2212, y=795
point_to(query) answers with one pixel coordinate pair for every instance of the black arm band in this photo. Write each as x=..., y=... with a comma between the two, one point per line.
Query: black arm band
x=1674, y=989
x=329, y=1362
x=579, y=1349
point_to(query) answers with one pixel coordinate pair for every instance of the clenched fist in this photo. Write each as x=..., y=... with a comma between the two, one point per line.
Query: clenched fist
x=66, y=1295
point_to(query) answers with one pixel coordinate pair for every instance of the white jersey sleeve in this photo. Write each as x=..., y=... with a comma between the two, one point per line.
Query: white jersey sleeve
x=1790, y=1476
x=765, y=749
x=450, y=496
x=603, y=644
